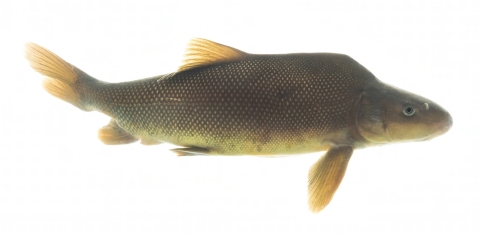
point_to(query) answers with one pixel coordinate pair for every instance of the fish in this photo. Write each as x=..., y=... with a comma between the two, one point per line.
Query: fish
x=224, y=101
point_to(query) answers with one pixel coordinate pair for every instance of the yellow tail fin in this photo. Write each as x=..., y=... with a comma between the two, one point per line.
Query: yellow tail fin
x=61, y=76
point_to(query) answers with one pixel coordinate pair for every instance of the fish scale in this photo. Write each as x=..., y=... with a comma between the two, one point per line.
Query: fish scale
x=231, y=107
x=223, y=101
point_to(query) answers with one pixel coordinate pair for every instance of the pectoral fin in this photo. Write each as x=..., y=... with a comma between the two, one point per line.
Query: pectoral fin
x=326, y=175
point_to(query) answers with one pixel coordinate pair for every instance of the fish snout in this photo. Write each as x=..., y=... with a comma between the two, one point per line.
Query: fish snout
x=442, y=124
x=446, y=123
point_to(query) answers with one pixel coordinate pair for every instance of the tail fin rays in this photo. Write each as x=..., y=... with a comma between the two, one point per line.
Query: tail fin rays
x=49, y=64
x=61, y=90
x=62, y=77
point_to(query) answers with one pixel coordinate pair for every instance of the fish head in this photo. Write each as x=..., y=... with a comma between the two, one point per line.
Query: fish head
x=387, y=114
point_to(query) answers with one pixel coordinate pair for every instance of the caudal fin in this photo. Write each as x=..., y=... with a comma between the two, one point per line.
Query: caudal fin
x=62, y=77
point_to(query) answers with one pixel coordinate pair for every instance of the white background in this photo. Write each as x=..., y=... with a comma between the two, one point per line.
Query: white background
x=57, y=181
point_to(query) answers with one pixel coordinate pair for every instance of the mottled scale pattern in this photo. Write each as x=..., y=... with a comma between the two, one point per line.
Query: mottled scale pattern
x=261, y=105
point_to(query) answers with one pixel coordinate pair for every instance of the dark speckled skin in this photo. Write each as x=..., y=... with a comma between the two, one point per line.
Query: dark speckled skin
x=262, y=105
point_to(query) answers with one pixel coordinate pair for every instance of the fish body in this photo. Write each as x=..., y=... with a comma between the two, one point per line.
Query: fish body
x=223, y=101
x=261, y=105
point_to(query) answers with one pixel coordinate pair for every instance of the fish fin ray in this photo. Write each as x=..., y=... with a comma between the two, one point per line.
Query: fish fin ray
x=112, y=134
x=202, y=52
x=49, y=64
x=61, y=90
x=326, y=175
x=191, y=151
x=62, y=77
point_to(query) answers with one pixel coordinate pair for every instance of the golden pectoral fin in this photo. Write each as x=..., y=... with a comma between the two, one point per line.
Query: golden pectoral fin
x=326, y=175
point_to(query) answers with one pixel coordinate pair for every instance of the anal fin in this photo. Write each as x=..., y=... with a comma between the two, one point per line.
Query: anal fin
x=191, y=151
x=326, y=175
x=112, y=134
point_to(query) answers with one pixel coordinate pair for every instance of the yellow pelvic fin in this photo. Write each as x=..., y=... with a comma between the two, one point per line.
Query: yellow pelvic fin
x=149, y=141
x=191, y=151
x=112, y=134
x=202, y=52
x=326, y=175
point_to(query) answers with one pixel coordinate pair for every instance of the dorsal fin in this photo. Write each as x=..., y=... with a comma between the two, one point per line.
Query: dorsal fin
x=202, y=52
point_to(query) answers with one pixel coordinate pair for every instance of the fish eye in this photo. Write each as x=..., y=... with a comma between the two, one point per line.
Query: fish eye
x=408, y=111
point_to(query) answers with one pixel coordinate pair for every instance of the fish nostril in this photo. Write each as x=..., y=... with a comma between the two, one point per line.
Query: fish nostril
x=426, y=106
